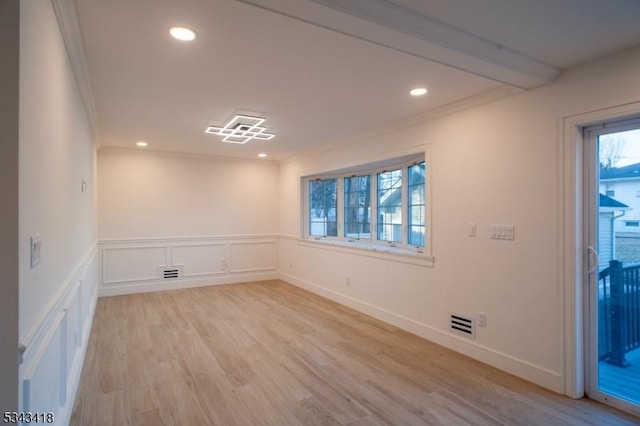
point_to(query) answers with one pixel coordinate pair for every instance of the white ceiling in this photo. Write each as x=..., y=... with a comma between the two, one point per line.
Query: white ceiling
x=320, y=74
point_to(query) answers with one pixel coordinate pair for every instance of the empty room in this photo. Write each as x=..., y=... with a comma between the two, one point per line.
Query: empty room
x=320, y=212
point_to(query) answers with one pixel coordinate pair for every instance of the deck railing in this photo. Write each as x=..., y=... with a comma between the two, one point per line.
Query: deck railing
x=618, y=312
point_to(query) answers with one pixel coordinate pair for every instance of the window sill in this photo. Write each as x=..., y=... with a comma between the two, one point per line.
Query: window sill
x=394, y=254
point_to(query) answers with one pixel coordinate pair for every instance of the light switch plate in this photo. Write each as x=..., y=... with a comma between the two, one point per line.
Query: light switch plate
x=502, y=232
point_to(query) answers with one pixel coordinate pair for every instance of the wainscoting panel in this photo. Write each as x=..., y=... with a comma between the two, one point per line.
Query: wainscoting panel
x=56, y=346
x=131, y=264
x=253, y=256
x=138, y=264
x=200, y=259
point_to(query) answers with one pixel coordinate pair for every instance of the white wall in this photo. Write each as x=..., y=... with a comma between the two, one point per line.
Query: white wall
x=9, y=81
x=56, y=155
x=499, y=163
x=214, y=219
x=152, y=194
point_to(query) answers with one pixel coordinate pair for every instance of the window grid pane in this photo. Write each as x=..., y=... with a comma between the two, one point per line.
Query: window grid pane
x=357, y=207
x=389, y=199
x=323, y=208
x=416, y=204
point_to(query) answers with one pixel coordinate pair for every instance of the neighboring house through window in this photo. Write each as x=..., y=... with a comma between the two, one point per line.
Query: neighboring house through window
x=374, y=206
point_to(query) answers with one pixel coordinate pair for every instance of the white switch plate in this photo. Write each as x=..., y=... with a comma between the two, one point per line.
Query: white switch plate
x=471, y=229
x=35, y=243
x=502, y=232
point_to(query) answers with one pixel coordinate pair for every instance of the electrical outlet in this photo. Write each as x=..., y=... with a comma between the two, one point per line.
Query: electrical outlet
x=348, y=280
x=291, y=264
x=482, y=319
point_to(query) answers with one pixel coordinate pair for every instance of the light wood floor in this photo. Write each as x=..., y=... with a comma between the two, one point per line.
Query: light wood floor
x=270, y=353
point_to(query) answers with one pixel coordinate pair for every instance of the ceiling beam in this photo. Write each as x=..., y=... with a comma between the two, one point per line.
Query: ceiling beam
x=386, y=24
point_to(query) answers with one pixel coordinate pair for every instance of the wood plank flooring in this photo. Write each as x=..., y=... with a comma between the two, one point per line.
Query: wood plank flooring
x=268, y=353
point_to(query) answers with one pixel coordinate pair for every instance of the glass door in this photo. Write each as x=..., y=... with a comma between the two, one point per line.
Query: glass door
x=613, y=236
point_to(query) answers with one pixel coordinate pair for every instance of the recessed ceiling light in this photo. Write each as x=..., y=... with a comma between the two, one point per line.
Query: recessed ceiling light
x=142, y=144
x=182, y=33
x=418, y=91
x=262, y=155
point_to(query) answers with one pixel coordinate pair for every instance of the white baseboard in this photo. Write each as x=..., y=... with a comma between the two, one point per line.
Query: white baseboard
x=541, y=376
x=118, y=290
x=136, y=265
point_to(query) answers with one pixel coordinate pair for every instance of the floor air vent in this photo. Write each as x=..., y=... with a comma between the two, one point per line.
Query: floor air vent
x=463, y=325
x=169, y=274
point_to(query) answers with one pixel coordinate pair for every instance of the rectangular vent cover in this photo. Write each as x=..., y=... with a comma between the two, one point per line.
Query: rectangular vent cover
x=168, y=274
x=463, y=325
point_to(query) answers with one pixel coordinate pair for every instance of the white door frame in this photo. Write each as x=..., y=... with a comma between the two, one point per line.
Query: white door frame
x=573, y=273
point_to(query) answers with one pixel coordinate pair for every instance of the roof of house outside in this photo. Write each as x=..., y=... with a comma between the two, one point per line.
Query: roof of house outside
x=610, y=202
x=626, y=172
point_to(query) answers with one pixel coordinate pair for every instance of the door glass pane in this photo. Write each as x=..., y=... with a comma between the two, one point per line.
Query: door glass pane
x=618, y=284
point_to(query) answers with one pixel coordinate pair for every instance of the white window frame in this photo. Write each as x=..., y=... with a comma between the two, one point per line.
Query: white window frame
x=373, y=246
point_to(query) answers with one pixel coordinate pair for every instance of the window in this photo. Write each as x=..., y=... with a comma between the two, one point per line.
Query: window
x=610, y=193
x=632, y=223
x=382, y=209
x=390, y=206
x=357, y=207
x=416, y=204
x=323, y=205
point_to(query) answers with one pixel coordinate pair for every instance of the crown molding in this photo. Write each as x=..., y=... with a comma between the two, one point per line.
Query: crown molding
x=395, y=27
x=67, y=16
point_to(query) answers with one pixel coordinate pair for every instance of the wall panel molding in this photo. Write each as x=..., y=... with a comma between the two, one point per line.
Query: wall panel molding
x=201, y=261
x=203, y=258
x=56, y=345
x=252, y=256
x=115, y=259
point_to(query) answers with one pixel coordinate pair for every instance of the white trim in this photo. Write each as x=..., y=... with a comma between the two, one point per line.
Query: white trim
x=196, y=239
x=255, y=243
x=377, y=251
x=73, y=380
x=56, y=319
x=181, y=284
x=227, y=275
x=37, y=329
x=67, y=17
x=105, y=250
x=404, y=30
x=197, y=244
x=549, y=379
x=571, y=239
x=399, y=161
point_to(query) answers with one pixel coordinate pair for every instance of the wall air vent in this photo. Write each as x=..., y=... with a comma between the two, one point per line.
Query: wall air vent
x=462, y=325
x=170, y=274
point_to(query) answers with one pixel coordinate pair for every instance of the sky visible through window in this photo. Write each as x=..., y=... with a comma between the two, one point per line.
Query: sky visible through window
x=620, y=149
